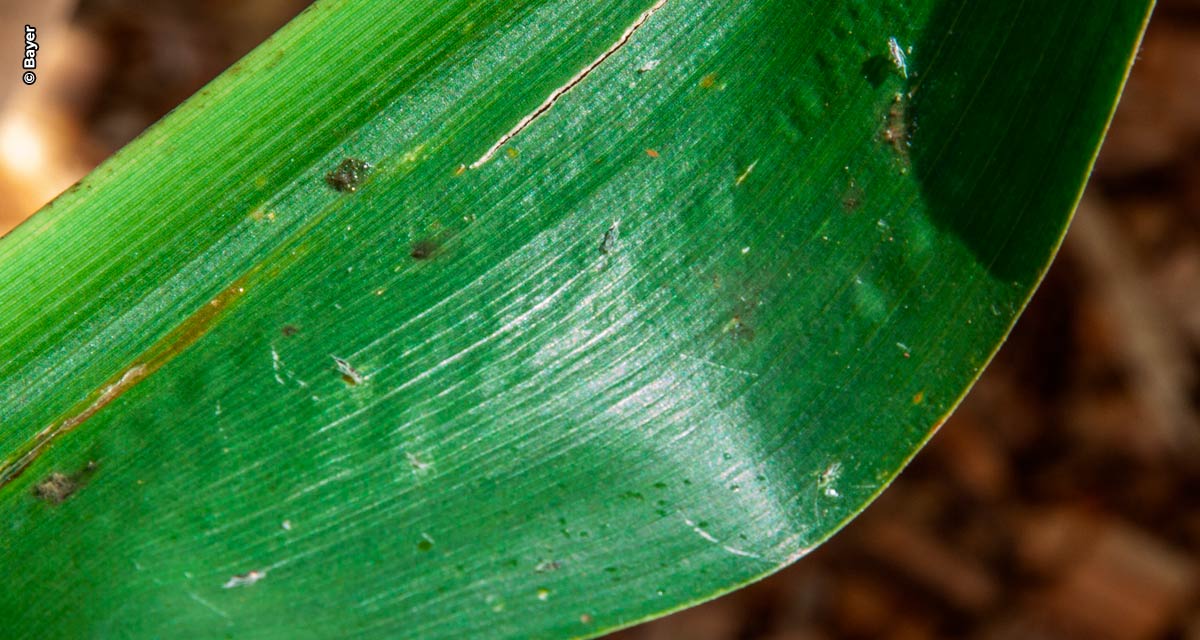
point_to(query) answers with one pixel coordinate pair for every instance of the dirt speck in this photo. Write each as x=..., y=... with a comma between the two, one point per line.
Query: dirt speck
x=289, y=330
x=709, y=81
x=652, y=153
x=348, y=175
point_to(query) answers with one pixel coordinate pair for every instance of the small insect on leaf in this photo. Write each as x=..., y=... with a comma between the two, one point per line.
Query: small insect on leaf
x=349, y=374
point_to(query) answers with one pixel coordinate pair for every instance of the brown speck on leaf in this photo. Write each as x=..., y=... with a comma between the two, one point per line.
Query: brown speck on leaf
x=462, y=168
x=58, y=487
x=919, y=398
x=348, y=175
x=853, y=197
x=652, y=153
x=289, y=330
x=709, y=81
x=424, y=249
x=896, y=131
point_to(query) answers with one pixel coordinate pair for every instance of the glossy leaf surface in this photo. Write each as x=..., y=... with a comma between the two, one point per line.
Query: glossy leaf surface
x=457, y=319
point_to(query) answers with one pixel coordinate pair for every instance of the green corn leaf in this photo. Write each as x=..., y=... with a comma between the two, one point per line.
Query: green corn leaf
x=461, y=319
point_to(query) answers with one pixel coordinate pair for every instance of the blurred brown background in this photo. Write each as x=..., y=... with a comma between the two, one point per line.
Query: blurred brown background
x=1061, y=501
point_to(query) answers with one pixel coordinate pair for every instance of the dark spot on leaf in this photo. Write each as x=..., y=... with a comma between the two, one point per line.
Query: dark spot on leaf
x=424, y=545
x=289, y=330
x=424, y=249
x=348, y=175
x=853, y=197
x=876, y=69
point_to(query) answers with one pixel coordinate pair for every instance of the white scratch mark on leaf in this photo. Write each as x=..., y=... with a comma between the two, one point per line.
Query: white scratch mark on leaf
x=282, y=372
x=649, y=65
x=897, y=54
x=738, y=552
x=542, y=305
x=575, y=80
x=208, y=605
x=722, y=367
x=245, y=579
x=344, y=473
x=277, y=365
x=418, y=465
x=700, y=532
x=745, y=174
x=713, y=539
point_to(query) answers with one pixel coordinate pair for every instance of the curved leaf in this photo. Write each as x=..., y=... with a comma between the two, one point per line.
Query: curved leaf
x=525, y=319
